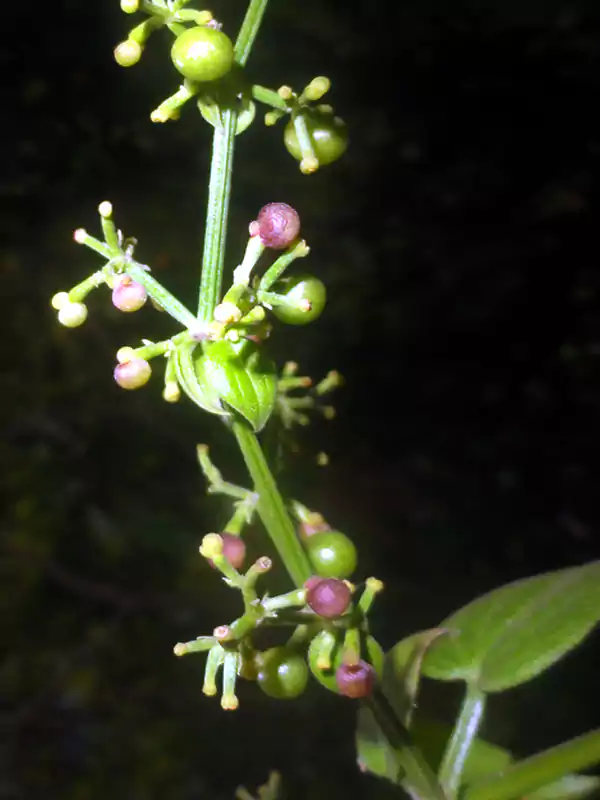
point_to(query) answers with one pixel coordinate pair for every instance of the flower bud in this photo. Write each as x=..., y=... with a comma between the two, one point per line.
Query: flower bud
x=128, y=53
x=72, y=315
x=128, y=295
x=278, y=225
x=132, y=374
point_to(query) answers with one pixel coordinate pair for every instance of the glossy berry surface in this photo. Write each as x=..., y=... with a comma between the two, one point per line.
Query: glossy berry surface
x=128, y=295
x=202, y=53
x=328, y=597
x=278, y=225
x=132, y=374
x=326, y=673
x=306, y=297
x=332, y=554
x=234, y=550
x=282, y=673
x=328, y=136
x=355, y=680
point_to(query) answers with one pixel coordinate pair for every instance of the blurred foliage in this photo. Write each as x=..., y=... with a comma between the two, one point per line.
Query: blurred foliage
x=458, y=240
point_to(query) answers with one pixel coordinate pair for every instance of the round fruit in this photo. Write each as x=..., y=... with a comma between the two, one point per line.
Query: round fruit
x=202, y=54
x=328, y=597
x=323, y=641
x=332, y=554
x=355, y=680
x=305, y=296
x=278, y=225
x=328, y=135
x=282, y=673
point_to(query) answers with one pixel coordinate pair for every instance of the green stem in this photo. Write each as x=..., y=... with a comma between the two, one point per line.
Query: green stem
x=419, y=777
x=276, y=270
x=463, y=736
x=271, y=506
x=249, y=30
x=158, y=292
x=269, y=97
x=539, y=770
x=219, y=190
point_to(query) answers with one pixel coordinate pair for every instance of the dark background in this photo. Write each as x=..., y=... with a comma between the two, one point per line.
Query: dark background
x=458, y=239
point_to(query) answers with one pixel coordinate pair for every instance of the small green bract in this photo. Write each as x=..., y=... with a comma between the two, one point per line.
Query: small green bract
x=202, y=54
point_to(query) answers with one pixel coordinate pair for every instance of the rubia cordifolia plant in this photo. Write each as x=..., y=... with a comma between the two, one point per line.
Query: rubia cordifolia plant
x=219, y=358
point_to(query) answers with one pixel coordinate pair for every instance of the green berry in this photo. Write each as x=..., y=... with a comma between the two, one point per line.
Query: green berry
x=282, y=673
x=328, y=135
x=202, y=54
x=332, y=554
x=305, y=298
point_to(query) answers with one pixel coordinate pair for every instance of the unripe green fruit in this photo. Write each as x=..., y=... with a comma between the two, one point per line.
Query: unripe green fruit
x=328, y=135
x=332, y=554
x=300, y=290
x=202, y=54
x=282, y=673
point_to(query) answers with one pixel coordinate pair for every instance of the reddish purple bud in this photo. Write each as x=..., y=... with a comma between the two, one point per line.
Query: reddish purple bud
x=234, y=550
x=128, y=295
x=355, y=680
x=308, y=529
x=278, y=225
x=132, y=374
x=328, y=597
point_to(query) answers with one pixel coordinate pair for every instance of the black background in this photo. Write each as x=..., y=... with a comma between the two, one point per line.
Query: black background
x=458, y=239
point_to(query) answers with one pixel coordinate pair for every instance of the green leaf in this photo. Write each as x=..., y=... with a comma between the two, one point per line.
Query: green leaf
x=402, y=671
x=517, y=631
x=193, y=384
x=375, y=756
x=571, y=787
x=241, y=376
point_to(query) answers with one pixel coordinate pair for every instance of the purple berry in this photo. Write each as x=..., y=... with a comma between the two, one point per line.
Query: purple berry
x=355, y=680
x=128, y=295
x=328, y=597
x=132, y=374
x=278, y=225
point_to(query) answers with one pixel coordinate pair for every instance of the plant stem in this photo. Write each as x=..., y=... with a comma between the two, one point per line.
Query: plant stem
x=219, y=189
x=420, y=778
x=268, y=96
x=270, y=505
x=249, y=30
x=158, y=292
x=215, y=233
x=539, y=770
x=463, y=736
